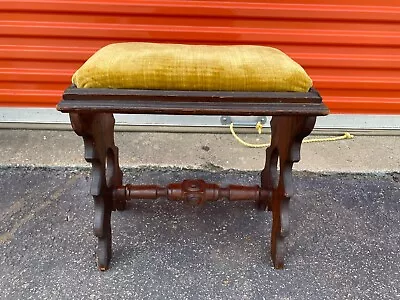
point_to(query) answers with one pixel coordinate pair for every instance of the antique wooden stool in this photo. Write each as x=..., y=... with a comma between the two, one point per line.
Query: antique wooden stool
x=91, y=110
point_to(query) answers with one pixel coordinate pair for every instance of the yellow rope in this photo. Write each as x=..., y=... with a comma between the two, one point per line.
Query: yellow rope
x=259, y=127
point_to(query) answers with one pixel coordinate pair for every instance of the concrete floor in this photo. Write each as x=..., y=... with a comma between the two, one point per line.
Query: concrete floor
x=204, y=151
x=345, y=222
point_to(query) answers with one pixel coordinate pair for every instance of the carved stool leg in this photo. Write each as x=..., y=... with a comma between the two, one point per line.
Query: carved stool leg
x=97, y=131
x=287, y=136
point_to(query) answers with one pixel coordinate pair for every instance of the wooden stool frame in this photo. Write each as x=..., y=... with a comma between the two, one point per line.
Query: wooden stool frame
x=91, y=113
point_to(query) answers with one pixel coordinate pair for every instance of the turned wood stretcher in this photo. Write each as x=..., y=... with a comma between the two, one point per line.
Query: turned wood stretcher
x=91, y=112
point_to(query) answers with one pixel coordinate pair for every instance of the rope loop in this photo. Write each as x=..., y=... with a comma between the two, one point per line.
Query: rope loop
x=259, y=128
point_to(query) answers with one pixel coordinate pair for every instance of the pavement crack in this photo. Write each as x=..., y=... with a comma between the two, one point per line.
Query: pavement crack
x=9, y=235
x=15, y=207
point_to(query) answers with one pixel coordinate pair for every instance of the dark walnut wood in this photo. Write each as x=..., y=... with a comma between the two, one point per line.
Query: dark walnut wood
x=192, y=102
x=287, y=135
x=194, y=191
x=91, y=113
x=97, y=131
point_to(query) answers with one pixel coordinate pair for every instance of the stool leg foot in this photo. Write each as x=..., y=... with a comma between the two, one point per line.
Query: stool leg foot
x=97, y=130
x=287, y=136
x=280, y=229
x=278, y=250
x=102, y=229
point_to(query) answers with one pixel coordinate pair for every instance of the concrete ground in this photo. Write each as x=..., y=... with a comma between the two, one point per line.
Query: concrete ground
x=204, y=151
x=345, y=222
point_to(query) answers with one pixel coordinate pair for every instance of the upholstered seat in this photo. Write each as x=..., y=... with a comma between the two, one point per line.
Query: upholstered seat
x=192, y=67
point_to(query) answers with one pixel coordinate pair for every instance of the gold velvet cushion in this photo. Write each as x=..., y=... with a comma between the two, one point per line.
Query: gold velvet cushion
x=192, y=67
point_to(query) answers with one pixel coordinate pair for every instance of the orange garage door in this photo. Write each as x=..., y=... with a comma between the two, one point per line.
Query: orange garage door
x=351, y=48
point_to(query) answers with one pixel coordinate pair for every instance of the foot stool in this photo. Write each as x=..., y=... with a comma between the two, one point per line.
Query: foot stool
x=147, y=78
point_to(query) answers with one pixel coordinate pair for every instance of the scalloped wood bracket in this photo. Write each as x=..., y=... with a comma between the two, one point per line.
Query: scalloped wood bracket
x=287, y=136
x=97, y=131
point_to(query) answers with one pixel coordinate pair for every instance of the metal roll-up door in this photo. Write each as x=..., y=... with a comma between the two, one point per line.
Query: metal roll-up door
x=350, y=48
